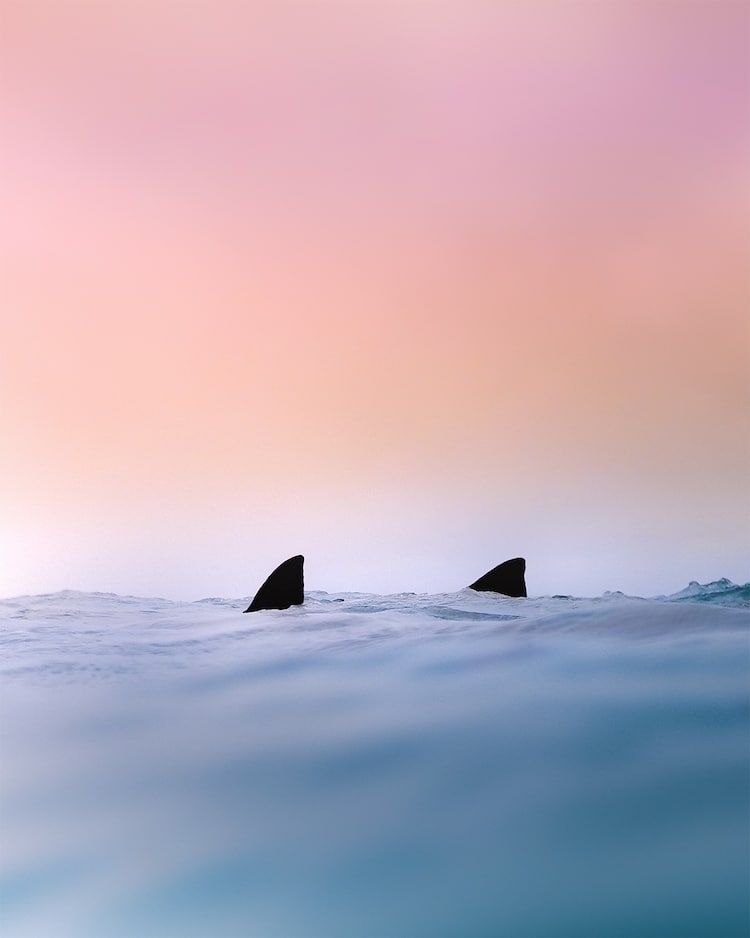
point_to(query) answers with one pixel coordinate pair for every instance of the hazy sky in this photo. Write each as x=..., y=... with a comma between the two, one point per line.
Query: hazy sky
x=408, y=286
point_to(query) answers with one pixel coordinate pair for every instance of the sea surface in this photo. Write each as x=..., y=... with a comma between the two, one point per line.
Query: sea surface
x=461, y=764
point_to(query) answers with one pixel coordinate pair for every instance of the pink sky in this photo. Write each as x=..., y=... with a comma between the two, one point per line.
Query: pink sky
x=409, y=287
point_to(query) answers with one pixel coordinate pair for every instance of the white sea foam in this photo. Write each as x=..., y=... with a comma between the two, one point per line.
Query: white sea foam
x=449, y=764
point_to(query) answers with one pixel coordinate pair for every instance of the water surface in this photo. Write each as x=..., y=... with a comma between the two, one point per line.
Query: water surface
x=451, y=765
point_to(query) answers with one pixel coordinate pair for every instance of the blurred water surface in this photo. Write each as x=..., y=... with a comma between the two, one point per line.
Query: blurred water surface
x=451, y=765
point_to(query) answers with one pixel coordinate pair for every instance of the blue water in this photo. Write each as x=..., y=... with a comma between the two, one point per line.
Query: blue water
x=452, y=765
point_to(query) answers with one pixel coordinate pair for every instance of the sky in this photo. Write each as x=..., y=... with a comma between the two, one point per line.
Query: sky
x=408, y=287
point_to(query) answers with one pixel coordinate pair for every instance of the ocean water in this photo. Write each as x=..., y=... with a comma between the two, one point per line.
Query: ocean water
x=455, y=765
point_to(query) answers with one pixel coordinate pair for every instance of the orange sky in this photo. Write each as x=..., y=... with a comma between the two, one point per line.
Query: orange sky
x=410, y=288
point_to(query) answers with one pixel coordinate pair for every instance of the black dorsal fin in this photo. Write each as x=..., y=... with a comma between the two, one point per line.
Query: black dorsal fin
x=506, y=578
x=285, y=587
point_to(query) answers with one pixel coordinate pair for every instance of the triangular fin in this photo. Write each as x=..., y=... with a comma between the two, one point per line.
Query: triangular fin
x=285, y=587
x=506, y=578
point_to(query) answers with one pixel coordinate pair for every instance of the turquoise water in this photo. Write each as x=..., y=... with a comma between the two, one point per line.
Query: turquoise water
x=451, y=766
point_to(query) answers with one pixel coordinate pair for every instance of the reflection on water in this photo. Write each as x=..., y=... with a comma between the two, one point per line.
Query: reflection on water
x=428, y=775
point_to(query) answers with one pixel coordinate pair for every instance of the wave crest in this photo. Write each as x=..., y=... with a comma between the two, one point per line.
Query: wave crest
x=721, y=592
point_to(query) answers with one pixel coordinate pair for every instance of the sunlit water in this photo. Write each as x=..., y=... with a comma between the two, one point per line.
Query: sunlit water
x=451, y=765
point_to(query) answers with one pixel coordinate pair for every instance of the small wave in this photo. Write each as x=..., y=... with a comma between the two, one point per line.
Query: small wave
x=448, y=612
x=721, y=592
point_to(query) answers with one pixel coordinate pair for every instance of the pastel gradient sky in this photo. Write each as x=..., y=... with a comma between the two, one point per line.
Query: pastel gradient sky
x=409, y=287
